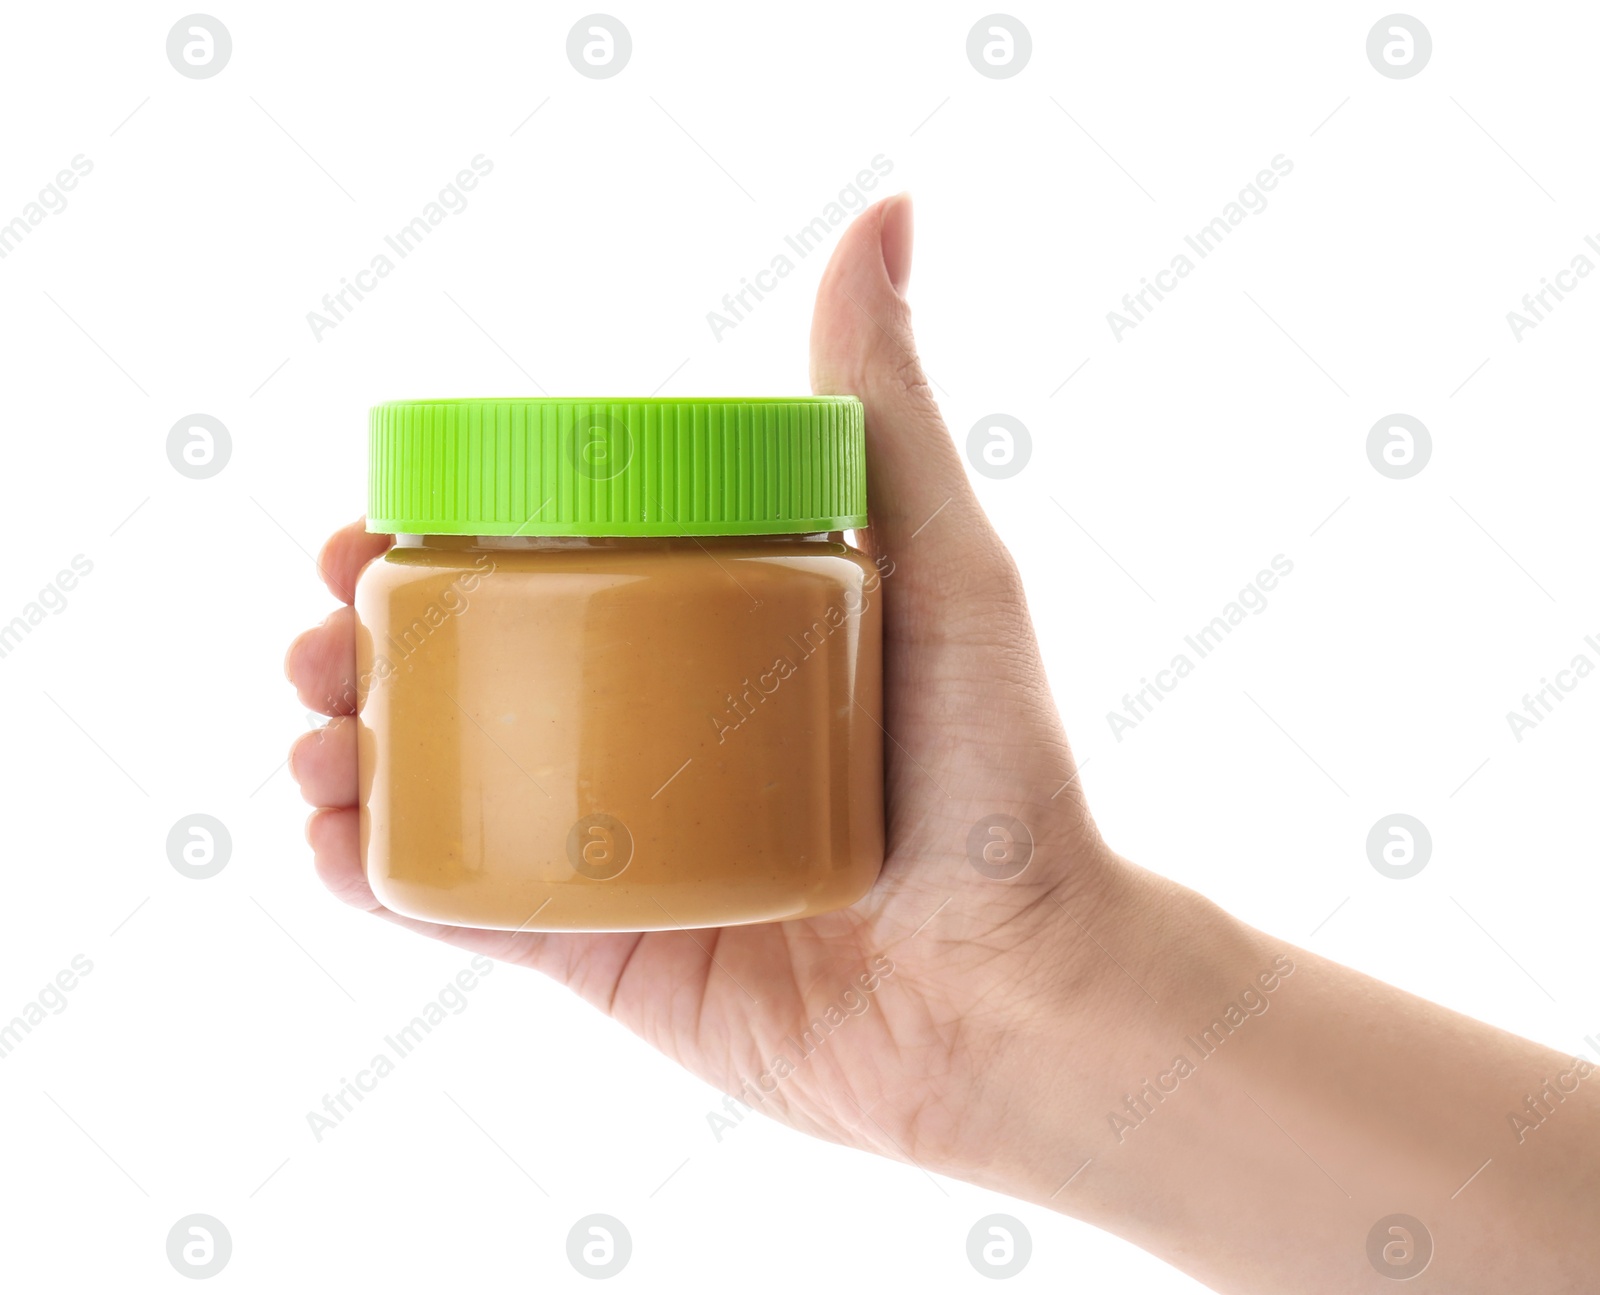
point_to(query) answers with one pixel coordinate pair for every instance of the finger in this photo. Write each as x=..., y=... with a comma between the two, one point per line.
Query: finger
x=323, y=762
x=335, y=839
x=321, y=664
x=347, y=551
x=922, y=507
x=956, y=624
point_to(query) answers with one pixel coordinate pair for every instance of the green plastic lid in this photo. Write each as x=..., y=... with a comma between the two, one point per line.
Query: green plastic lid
x=617, y=467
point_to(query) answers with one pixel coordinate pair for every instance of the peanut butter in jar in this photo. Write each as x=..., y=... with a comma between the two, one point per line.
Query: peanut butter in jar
x=621, y=669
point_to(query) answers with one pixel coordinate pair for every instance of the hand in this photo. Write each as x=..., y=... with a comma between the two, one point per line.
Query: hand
x=1022, y=1032
x=971, y=732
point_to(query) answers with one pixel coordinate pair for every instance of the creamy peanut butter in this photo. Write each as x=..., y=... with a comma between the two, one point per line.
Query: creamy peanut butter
x=589, y=732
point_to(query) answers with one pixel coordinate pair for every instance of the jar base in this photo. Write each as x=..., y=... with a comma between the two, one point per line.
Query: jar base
x=602, y=907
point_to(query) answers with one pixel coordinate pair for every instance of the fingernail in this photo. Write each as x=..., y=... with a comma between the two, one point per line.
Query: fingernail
x=895, y=238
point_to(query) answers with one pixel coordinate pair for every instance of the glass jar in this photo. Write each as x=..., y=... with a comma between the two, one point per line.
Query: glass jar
x=653, y=699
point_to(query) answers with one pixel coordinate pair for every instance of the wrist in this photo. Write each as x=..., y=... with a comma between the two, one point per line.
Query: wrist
x=1124, y=969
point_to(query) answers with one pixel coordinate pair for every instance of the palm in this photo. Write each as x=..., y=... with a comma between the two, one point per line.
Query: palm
x=970, y=732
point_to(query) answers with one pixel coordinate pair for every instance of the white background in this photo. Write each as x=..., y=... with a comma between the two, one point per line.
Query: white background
x=1203, y=443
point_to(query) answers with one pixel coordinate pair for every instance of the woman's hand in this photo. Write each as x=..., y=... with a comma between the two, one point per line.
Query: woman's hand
x=1080, y=1033
x=971, y=732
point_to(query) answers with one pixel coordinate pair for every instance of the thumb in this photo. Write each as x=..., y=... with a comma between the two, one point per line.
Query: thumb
x=923, y=513
x=967, y=703
x=964, y=663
